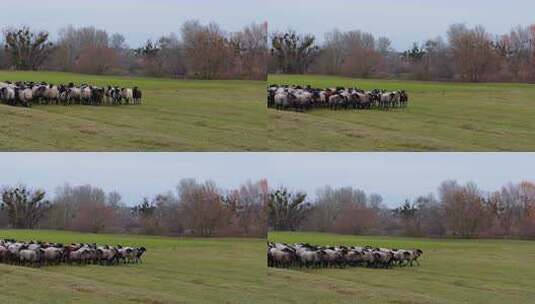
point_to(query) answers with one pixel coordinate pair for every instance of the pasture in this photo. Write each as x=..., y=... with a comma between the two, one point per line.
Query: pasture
x=451, y=271
x=173, y=271
x=176, y=115
x=439, y=117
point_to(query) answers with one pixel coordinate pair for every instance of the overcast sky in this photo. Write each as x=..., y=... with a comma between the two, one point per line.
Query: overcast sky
x=137, y=20
x=396, y=176
x=404, y=21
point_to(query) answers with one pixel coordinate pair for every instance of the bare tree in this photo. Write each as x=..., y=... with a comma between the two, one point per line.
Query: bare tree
x=464, y=208
x=293, y=53
x=202, y=207
x=3, y=56
x=145, y=212
x=287, y=210
x=353, y=53
x=24, y=207
x=333, y=53
x=250, y=51
x=430, y=216
x=96, y=60
x=73, y=41
x=517, y=49
x=207, y=49
x=27, y=50
x=172, y=56
x=472, y=50
x=118, y=43
x=247, y=206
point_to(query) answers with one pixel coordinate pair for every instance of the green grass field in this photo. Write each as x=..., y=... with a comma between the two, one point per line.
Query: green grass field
x=440, y=117
x=173, y=271
x=177, y=115
x=451, y=271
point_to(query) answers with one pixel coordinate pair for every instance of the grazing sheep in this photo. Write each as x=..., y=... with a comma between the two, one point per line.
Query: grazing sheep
x=137, y=95
x=24, y=93
x=282, y=100
x=307, y=98
x=37, y=254
x=107, y=255
x=414, y=255
x=281, y=257
x=3, y=253
x=306, y=255
x=7, y=94
x=139, y=253
x=52, y=255
x=30, y=257
x=85, y=94
x=51, y=94
x=75, y=94
x=127, y=95
x=116, y=95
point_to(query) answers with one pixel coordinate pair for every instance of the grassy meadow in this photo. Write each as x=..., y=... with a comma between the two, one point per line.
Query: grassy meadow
x=440, y=117
x=451, y=271
x=177, y=115
x=173, y=271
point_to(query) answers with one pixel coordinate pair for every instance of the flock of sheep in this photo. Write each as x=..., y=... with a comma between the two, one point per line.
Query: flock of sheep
x=26, y=93
x=305, y=98
x=38, y=254
x=282, y=255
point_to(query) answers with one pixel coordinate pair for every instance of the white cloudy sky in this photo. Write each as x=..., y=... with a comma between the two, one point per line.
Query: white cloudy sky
x=403, y=21
x=394, y=175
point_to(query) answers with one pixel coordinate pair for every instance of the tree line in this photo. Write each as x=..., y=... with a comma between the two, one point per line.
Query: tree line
x=194, y=209
x=196, y=51
x=202, y=209
x=460, y=211
x=466, y=54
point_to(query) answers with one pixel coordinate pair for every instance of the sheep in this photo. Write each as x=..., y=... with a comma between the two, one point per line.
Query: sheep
x=7, y=94
x=3, y=253
x=26, y=93
x=51, y=93
x=336, y=101
x=77, y=255
x=306, y=255
x=306, y=98
x=107, y=255
x=85, y=94
x=139, y=253
x=25, y=96
x=127, y=254
x=283, y=100
x=116, y=95
x=127, y=95
x=331, y=257
x=414, y=255
x=309, y=257
x=75, y=94
x=403, y=99
x=400, y=257
x=52, y=255
x=30, y=256
x=137, y=95
x=353, y=257
x=281, y=257
x=37, y=253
